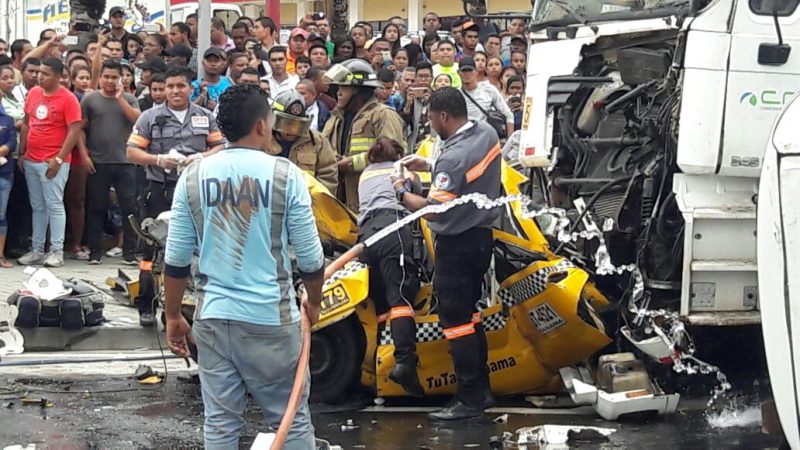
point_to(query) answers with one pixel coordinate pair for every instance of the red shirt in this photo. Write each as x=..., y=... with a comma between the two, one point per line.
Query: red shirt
x=49, y=117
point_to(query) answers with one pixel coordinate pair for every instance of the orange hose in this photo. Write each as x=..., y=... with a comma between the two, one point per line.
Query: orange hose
x=305, y=350
x=346, y=257
x=299, y=384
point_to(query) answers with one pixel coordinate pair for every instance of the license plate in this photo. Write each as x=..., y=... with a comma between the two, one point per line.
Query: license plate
x=545, y=318
x=333, y=298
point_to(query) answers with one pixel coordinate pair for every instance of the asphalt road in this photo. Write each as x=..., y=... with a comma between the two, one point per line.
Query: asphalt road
x=111, y=411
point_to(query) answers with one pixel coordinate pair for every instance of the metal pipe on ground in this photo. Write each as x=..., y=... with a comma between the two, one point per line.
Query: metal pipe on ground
x=57, y=361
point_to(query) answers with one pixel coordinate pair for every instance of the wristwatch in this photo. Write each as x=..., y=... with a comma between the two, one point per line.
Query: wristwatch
x=400, y=192
x=59, y=160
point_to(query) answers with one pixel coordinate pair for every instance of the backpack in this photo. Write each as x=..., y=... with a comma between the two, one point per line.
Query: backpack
x=83, y=307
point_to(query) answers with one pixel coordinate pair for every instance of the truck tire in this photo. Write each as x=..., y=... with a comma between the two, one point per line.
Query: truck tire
x=335, y=365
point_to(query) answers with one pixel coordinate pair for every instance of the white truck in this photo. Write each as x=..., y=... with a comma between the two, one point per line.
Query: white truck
x=648, y=120
x=656, y=114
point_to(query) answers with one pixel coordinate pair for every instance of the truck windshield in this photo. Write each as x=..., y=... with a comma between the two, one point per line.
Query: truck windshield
x=565, y=12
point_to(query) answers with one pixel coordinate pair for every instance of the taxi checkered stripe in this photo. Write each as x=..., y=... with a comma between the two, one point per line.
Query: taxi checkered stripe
x=432, y=331
x=496, y=321
x=349, y=269
x=530, y=286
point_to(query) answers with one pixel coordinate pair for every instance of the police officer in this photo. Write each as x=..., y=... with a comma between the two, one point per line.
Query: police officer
x=163, y=138
x=358, y=121
x=293, y=139
x=469, y=162
x=393, y=278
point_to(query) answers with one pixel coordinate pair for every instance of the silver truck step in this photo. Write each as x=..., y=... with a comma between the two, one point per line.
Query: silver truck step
x=719, y=253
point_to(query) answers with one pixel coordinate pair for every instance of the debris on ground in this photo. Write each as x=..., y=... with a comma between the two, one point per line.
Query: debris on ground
x=349, y=425
x=143, y=371
x=501, y=419
x=561, y=434
x=42, y=402
x=155, y=379
x=145, y=374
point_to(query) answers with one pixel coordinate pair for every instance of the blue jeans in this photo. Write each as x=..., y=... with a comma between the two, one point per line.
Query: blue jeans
x=47, y=203
x=238, y=357
x=6, y=183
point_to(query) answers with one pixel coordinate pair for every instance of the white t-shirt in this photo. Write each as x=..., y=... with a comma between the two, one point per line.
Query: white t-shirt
x=276, y=87
x=20, y=93
x=313, y=113
x=181, y=115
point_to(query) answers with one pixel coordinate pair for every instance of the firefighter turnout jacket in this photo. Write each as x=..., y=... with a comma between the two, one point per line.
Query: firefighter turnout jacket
x=374, y=120
x=314, y=154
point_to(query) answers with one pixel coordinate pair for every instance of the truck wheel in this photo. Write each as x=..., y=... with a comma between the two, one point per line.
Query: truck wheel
x=335, y=365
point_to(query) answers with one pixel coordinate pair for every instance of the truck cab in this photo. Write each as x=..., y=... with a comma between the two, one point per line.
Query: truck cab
x=658, y=112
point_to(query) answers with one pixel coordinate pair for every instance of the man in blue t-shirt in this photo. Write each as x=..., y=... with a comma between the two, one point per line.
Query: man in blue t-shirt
x=206, y=92
x=239, y=211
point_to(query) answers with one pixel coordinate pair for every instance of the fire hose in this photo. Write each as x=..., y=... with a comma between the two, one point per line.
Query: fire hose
x=299, y=383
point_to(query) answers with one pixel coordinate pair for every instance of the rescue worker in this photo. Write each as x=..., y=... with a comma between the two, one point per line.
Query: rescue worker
x=469, y=162
x=162, y=139
x=239, y=210
x=295, y=141
x=358, y=121
x=393, y=278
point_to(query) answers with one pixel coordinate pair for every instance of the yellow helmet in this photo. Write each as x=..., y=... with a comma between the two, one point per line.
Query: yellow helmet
x=353, y=72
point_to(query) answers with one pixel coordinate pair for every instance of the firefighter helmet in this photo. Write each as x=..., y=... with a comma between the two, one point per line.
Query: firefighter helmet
x=290, y=114
x=353, y=72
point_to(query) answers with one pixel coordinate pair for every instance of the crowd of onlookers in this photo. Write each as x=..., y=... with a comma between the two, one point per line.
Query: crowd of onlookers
x=63, y=116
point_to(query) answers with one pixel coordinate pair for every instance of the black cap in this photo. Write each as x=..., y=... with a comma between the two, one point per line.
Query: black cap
x=519, y=38
x=179, y=50
x=154, y=63
x=315, y=37
x=116, y=9
x=466, y=63
x=215, y=51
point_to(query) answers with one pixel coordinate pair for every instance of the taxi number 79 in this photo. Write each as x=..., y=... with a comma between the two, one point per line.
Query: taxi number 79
x=333, y=298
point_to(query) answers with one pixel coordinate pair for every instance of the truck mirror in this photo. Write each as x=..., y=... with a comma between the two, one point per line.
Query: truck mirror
x=773, y=54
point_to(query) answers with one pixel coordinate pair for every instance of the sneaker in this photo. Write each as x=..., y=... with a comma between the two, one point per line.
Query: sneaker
x=130, y=261
x=147, y=319
x=54, y=259
x=33, y=258
x=115, y=252
x=81, y=255
x=94, y=261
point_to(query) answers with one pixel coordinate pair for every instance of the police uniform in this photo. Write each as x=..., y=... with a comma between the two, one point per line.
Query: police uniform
x=312, y=153
x=373, y=121
x=393, y=284
x=469, y=162
x=157, y=131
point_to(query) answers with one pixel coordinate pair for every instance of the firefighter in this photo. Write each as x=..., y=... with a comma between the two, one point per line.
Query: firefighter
x=393, y=278
x=176, y=126
x=469, y=162
x=293, y=140
x=358, y=121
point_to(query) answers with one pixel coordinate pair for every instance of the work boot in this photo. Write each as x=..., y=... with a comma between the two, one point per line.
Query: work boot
x=32, y=258
x=489, y=399
x=147, y=319
x=456, y=411
x=406, y=376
